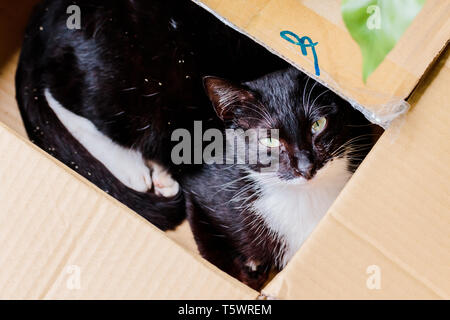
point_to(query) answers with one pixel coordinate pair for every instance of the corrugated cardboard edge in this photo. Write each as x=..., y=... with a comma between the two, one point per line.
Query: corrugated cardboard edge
x=52, y=218
x=409, y=168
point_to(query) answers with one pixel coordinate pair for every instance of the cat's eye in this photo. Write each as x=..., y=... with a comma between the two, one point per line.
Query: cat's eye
x=270, y=142
x=318, y=125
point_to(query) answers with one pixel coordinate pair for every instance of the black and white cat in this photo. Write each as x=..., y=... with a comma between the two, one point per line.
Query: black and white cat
x=105, y=100
x=247, y=220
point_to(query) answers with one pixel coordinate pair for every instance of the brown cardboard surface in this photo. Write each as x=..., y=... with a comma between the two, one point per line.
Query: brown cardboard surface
x=10, y=116
x=394, y=213
x=9, y=112
x=53, y=222
x=183, y=236
x=13, y=18
x=339, y=57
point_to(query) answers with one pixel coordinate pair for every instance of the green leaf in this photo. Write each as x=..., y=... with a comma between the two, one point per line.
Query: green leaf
x=377, y=25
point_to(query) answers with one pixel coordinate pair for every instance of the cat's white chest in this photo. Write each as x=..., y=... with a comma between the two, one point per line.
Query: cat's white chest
x=293, y=211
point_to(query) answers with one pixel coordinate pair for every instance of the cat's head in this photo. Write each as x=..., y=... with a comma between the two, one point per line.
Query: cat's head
x=319, y=134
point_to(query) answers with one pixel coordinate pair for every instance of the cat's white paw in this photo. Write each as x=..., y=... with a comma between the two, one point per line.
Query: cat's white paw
x=164, y=184
x=136, y=177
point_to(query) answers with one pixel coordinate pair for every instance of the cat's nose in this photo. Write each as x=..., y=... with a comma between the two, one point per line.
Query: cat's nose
x=305, y=167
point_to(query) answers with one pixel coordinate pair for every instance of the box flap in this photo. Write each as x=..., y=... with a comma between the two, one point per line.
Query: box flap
x=392, y=220
x=13, y=19
x=9, y=112
x=382, y=98
x=62, y=238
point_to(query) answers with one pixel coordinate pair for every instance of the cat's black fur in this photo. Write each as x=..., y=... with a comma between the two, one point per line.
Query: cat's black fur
x=108, y=72
x=141, y=64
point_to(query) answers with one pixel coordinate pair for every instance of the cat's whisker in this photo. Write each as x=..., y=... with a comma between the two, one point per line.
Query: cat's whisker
x=229, y=184
x=309, y=96
x=244, y=189
x=349, y=142
x=355, y=147
x=241, y=191
x=144, y=128
x=304, y=90
x=263, y=113
x=118, y=114
x=151, y=94
x=313, y=103
x=267, y=182
x=358, y=148
x=358, y=125
x=129, y=89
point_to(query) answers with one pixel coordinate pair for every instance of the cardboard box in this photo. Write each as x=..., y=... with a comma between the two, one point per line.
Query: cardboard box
x=386, y=236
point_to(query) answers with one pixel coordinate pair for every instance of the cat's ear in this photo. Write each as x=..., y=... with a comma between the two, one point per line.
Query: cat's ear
x=225, y=96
